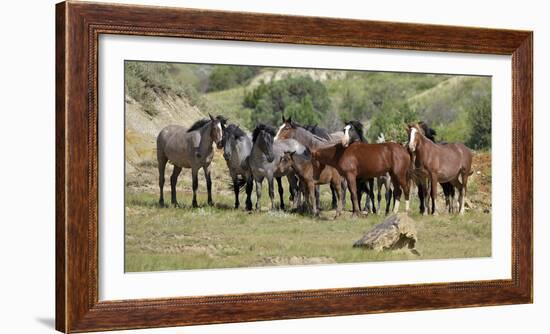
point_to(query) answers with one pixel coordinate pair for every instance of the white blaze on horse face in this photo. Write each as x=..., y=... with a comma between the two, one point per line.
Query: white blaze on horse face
x=411, y=140
x=279, y=132
x=345, y=139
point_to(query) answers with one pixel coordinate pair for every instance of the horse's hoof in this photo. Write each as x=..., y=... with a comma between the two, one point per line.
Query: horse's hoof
x=194, y=205
x=176, y=205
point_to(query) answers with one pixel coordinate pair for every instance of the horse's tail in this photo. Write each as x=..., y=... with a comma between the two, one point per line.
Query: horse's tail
x=241, y=183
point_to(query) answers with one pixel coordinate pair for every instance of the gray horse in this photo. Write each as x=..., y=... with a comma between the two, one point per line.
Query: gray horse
x=237, y=147
x=264, y=162
x=189, y=148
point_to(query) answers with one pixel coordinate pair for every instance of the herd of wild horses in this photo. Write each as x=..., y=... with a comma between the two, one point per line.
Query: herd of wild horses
x=310, y=156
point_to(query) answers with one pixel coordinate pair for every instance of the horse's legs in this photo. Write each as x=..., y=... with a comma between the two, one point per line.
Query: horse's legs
x=405, y=187
x=344, y=186
x=396, y=192
x=371, y=194
x=334, y=202
x=433, y=193
x=312, y=191
x=271, y=190
x=337, y=185
x=281, y=191
x=173, y=181
x=318, y=197
x=258, y=193
x=249, y=186
x=463, y=192
x=209, y=184
x=236, y=188
x=352, y=185
x=421, y=196
x=294, y=187
x=195, y=180
x=379, y=195
x=360, y=189
x=161, y=159
x=388, y=195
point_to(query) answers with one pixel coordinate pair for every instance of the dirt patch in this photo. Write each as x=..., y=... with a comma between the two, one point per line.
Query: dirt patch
x=295, y=260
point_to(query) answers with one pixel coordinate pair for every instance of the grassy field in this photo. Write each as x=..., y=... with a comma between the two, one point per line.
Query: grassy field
x=216, y=237
x=220, y=237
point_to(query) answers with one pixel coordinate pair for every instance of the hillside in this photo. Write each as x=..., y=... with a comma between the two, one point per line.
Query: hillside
x=159, y=94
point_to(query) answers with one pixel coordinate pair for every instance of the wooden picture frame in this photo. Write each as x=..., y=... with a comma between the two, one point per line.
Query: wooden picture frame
x=78, y=26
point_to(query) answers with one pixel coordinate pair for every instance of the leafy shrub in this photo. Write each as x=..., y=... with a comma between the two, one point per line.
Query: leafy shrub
x=301, y=97
x=228, y=76
x=480, y=120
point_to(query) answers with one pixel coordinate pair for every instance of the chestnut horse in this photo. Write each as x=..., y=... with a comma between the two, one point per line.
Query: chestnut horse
x=366, y=161
x=444, y=163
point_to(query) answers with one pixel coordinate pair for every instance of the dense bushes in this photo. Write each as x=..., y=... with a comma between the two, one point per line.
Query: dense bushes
x=227, y=76
x=302, y=98
x=458, y=107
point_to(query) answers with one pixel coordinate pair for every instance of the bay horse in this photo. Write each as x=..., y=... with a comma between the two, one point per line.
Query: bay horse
x=352, y=132
x=366, y=161
x=237, y=146
x=310, y=175
x=264, y=162
x=444, y=163
x=324, y=134
x=189, y=148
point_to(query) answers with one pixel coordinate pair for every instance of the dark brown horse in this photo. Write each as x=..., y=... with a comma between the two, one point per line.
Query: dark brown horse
x=365, y=161
x=444, y=163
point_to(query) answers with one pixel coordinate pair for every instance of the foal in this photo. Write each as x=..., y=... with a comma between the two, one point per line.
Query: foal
x=443, y=163
x=310, y=174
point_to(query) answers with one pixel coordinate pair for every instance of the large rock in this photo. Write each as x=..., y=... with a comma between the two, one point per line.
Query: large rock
x=395, y=232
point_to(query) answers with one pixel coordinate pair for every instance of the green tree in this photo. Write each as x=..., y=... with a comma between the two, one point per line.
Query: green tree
x=303, y=98
x=391, y=122
x=228, y=76
x=480, y=120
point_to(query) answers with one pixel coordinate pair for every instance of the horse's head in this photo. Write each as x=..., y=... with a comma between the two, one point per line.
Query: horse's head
x=286, y=129
x=286, y=164
x=216, y=130
x=230, y=136
x=263, y=138
x=414, y=132
x=353, y=131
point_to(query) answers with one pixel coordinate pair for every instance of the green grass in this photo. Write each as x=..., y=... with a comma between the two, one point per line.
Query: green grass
x=221, y=237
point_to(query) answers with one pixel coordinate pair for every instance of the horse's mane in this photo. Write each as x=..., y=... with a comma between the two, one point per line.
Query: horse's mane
x=358, y=128
x=263, y=127
x=202, y=122
x=198, y=124
x=310, y=127
x=318, y=131
x=428, y=132
x=235, y=131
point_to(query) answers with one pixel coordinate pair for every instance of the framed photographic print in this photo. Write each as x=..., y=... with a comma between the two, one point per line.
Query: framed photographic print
x=223, y=166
